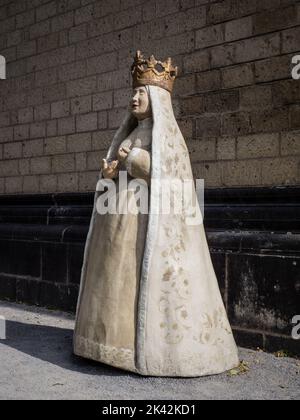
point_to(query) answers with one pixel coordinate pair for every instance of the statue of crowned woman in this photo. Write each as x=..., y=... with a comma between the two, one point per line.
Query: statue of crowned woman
x=149, y=298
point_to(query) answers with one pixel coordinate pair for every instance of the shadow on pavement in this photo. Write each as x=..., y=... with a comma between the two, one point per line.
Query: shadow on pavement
x=53, y=345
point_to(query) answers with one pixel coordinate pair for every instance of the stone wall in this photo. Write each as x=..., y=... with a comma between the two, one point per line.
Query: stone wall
x=68, y=83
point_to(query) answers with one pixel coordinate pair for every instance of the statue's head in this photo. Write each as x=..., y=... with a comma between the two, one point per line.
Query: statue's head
x=149, y=73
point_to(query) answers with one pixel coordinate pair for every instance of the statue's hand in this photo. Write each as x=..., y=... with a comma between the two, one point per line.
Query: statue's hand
x=123, y=153
x=110, y=170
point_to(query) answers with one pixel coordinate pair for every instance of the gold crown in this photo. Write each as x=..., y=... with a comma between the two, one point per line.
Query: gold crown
x=153, y=72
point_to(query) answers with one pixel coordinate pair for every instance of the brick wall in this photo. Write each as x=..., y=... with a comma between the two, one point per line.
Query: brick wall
x=68, y=82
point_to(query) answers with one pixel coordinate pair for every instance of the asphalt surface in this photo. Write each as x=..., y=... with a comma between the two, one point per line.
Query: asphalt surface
x=37, y=363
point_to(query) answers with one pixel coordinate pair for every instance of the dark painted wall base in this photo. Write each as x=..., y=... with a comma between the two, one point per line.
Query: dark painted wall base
x=254, y=236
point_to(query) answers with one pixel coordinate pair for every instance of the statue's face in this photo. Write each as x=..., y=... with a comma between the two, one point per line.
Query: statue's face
x=140, y=103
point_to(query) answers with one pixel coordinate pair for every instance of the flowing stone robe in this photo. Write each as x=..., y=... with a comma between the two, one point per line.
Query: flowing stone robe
x=149, y=298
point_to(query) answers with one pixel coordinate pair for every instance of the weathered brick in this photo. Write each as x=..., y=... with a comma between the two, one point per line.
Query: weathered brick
x=4, y=119
x=46, y=77
x=208, y=126
x=101, y=26
x=115, y=117
x=270, y=120
x=256, y=97
x=274, y=20
x=21, y=132
x=101, y=140
x=67, y=182
x=13, y=185
x=23, y=19
x=105, y=8
x=242, y=173
x=46, y=11
x=285, y=93
x=88, y=180
x=84, y=14
x=54, y=92
x=55, y=145
x=198, y=61
x=223, y=55
x=42, y=112
x=25, y=115
x=202, y=150
x=290, y=40
x=48, y=42
x=12, y=150
x=79, y=142
x=70, y=72
x=258, y=48
x=63, y=163
x=66, y=126
x=80, y=162
x=61, y=22
x=40, y=165
x=210, y=172
x=211, y=35
x=194, y=18
x=257, y=146
x=122, y=97
x=31, y=184
x=295, y=116
x=208, y=81
x=48, y=183
x=78, y=33
x=238, y=29
x=237, y=123
x=24, y=166
x=39, y=30
x=60, y=109
x=226, y=148
x=290, y=143
x=102, y=120
x=186, y=127
x=282, y=171
x=9, y=168
x=102, y=63
x=274, y=68
x=81, y=105
x=87, y=122
x=82, y=87
x=37, y=130
x=94, y=160
x=185, y=85
x=102, y=101
x=27, y=49
x=114, y=80
x=126, y=18
x=237, y=76
x=33, y=148
x=222, y=11
x=221, y=102
x=167, y=7
x=51, y=128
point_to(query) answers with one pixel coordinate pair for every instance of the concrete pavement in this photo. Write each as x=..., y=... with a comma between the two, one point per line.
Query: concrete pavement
x=37, y=363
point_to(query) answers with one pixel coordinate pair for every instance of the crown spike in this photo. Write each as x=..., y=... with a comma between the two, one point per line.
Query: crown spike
x=145, y=72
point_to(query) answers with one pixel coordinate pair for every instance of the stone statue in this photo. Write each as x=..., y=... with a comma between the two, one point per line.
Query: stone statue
x=149, y=299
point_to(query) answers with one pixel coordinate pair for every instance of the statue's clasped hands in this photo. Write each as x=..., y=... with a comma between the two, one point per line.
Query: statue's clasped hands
x=123, y=153
x=111, y=170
